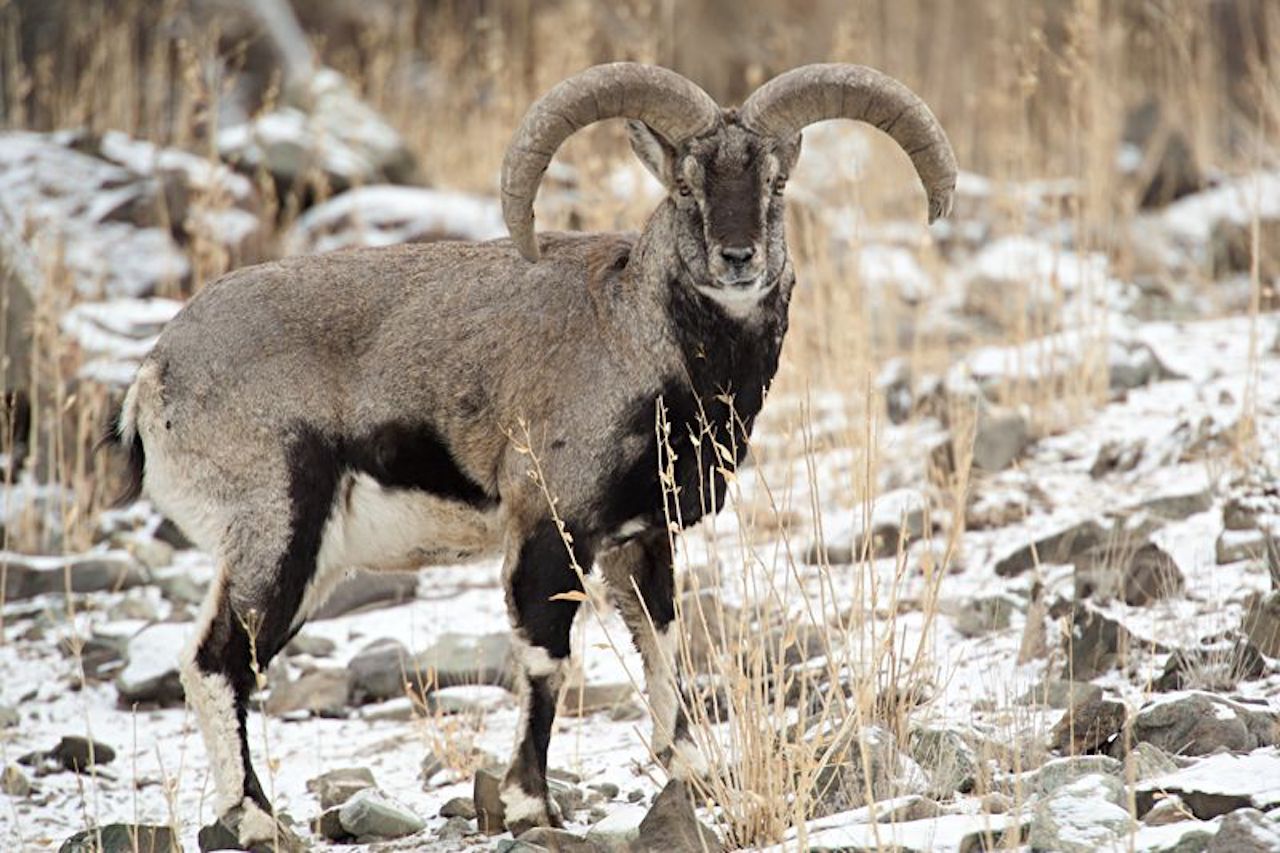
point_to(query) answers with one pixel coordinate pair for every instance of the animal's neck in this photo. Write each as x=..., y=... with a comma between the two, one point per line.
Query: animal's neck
x=727, y=357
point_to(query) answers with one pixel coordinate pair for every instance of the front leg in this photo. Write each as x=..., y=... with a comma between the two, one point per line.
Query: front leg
x=537, y=574
x=641, y=576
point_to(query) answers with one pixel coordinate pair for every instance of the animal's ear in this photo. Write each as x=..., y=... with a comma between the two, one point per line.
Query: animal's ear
x=656, y=153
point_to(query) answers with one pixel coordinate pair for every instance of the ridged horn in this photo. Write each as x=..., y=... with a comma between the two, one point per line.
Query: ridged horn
x=793, y=100
x=665, y=101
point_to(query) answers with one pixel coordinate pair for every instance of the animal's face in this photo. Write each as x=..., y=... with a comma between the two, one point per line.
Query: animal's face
x=727, y=187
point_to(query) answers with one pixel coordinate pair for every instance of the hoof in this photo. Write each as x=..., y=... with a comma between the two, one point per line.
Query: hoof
x=523, y=812
x=248, y=827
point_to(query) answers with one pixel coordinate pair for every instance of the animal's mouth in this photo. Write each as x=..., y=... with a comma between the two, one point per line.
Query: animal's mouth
x=740, y=280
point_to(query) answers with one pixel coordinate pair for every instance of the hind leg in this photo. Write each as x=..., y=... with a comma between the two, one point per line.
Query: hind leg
x=641, y=577
x=240, y=635
x=538, y=573
x=269, y=565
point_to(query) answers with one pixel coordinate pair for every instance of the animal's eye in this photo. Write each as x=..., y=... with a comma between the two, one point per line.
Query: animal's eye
x=683, y=189
x=779, y=184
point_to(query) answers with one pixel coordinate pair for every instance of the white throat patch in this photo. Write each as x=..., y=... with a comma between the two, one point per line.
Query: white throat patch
x=738, y=302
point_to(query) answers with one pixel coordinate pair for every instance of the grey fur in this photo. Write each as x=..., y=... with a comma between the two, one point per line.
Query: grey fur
x=507, y=361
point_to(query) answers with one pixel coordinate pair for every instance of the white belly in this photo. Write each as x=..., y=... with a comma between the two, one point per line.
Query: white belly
x=372, y=527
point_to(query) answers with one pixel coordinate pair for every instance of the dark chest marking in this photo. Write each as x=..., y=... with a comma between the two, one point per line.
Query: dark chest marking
x=708, y=413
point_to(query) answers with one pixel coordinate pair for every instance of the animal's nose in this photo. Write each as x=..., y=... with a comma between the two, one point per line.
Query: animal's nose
x=737, y=254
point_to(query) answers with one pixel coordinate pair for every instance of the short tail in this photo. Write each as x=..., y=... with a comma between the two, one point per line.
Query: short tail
x=122, y=435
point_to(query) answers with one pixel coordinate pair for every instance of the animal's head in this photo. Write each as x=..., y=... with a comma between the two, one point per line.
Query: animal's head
x=724, y=170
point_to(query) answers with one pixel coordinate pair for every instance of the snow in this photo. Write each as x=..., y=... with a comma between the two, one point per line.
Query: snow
x=383, y=215
x=945, y=833
x=154, y=651
x=1237, y=201
x=1255, y=775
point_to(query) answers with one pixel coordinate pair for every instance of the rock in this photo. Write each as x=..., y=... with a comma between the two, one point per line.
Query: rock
x=1133, y=364
x=568, y=798
x=948, y=759
x=1262, y=622
x=713, y=628
x=380, y=671
x=1231, y=248
x=455, y=828
x=1143, y=760
x=465, y=659
x=1151, y=575
x=14, y=782
x=844, y=782
x=310, y=644
x=1059, y=772
x=607, y=790
x=897, y=519
x=985, y=614
x=1196, y=723
x=1117, y=457
x=101, y=656
x=78, y=754
x=400, y=710
x=133, y=608
x=619, y=827
x=1247, y=831
x=1128, y=566
x=1168, y=810
x=370, y=814
x=589, y=699
x=1236, y=545
x=337, y=786
x=1057, y=547
x=997, y=803
x=999, y=438
x=366, y=591
x=181, y=588
x=463, y=807
x=386, y=215
x=1088, y=726
x=329, y=825
x=1157, y=155
x=1218, y=784
x=430, y=765
x=1218, y=664
x=26, y=577
x=490, y=813
x=321, y=131
x=122, y=838
x=151, y=676
x=121, y=210
x=1176, y=506
x=322, y=692
x=152, y=553
x=1098, y=643
x=671, y=824
x=1084, y=815
x=1060, y=694
x=224, y=834
x=906, y=809
x=169, y=533
x=558, y=841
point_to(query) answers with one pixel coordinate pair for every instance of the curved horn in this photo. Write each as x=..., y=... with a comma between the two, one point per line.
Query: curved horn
x=791, y=101
x=662, y=99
